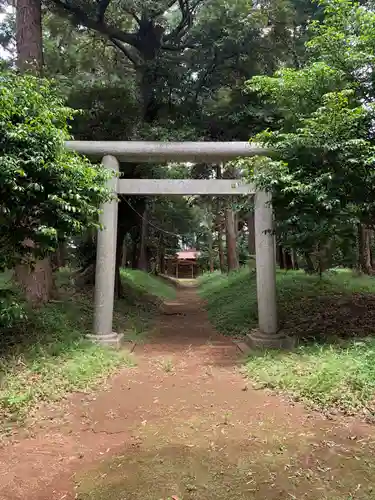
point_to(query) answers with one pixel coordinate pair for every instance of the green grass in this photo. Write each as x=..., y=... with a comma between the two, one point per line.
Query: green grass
x=334, y=321
x=325, y=376
x=47, y=356
x=232, y=303
x=148, y=283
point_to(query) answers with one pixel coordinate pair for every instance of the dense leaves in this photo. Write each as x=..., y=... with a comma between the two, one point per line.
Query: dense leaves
x=176, y=71
x=322, y=174
x=47, y=192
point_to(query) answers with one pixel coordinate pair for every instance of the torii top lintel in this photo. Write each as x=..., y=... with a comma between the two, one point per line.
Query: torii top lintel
x=149, y=151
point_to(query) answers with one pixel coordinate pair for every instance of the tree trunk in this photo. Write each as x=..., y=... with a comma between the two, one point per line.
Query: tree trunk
x=124, y=253
x=134, y=256
x=287, y=257
x=251, y=233
x=284, y=258
x=280, y=256
x=295, y=260
x=219, y=224
x=237, y=233
x=161, y=264
x=142, y=260
x=364, y=249
x=230, y=221
x=36, y=282
x=221, y=248
x=29, y=35
x=211, y=264
x=58, y=259
x=372, y=253
x=310, y=267
x=63, y=254
x=162, y=260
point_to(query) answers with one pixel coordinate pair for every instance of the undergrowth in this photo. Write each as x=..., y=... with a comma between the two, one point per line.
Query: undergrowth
x=46, y=355
x=323, y=376
x=333, y=319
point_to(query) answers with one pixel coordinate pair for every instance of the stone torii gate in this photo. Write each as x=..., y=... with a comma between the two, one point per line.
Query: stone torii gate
x=111, y=153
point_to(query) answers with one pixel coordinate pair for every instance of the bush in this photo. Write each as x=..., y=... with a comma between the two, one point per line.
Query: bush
x=11, y=311
x=47, y=192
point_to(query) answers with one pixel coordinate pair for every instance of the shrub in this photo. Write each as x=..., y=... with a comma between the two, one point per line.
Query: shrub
x=11, y=310
x=47, y=192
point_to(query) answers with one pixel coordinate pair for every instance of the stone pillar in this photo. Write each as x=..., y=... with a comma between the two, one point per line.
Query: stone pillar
x=106, y=263
x=267, y=335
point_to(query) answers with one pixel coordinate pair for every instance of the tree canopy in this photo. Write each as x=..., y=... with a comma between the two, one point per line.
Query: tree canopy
x=295, y=75
x=322, y=174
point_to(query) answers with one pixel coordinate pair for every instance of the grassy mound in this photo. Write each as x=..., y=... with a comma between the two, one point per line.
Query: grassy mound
x=334, y=320
x=148, y=284
x=47, y=355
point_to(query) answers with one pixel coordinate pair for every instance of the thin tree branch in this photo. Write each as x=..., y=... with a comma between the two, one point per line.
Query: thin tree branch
x=134, y=15
x=127, y=52
x=185, y=15
x=188, y=12
x=216, y=61
x=79, y=17
x=178, y=48
x=101, y=9
x=163, y=9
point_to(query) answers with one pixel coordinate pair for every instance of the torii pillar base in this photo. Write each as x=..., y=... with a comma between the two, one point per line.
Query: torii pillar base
x=113, y=339
x=258, y=340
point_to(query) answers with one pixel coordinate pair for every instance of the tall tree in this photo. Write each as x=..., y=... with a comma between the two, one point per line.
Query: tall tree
x=158, y=30
x=323, y=179
x=34, y=277
x=142, y=259
x=47, y=193
x=171, y=64
x=231, y=238
x=29, y=35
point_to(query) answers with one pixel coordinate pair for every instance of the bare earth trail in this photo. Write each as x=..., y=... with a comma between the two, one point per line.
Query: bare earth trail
x=183, y=424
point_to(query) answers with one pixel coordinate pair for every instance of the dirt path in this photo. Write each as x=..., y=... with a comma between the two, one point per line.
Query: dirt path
x=184, y=424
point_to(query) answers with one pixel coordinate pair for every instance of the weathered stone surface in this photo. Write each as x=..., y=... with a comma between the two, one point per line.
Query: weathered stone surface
x=258, y=340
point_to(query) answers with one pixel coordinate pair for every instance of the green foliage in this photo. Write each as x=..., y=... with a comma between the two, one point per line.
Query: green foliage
x=321, y=175
x=296, y=93
x=47, y=192
x=11, y=311
x=346, y=40
x=171, y=217
x=188, y=61
x=324, y=185
x=12, y=307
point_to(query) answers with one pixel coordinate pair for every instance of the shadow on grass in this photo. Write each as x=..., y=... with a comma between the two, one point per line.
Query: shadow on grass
x=59, y=325
x=338, y=307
